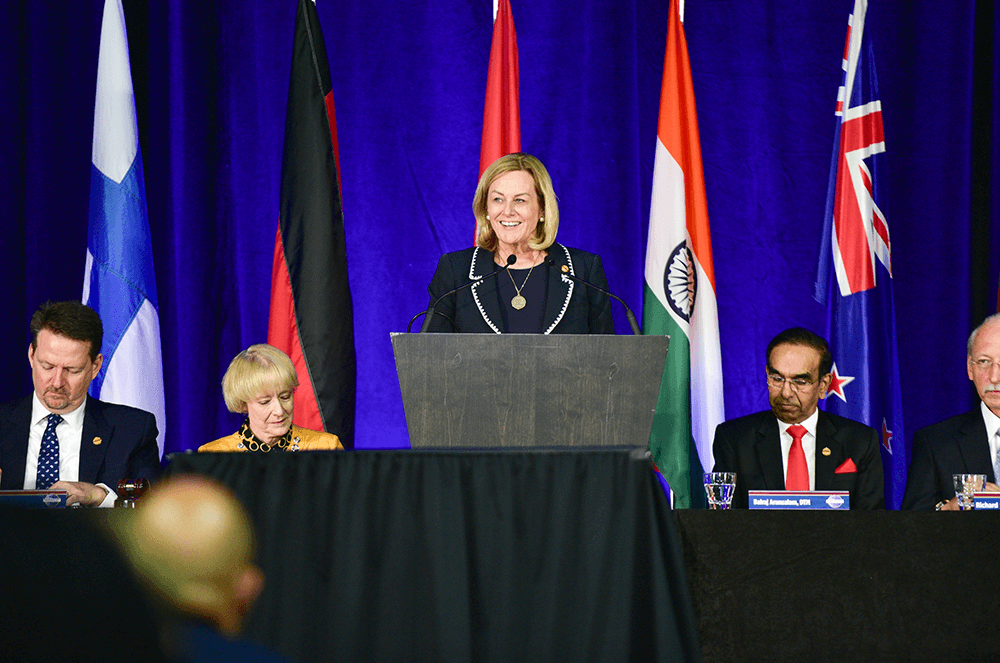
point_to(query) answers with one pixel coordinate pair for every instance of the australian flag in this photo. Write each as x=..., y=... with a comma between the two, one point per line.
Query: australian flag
x=854, y=278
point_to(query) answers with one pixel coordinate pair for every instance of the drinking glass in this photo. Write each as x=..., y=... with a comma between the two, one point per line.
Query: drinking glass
x=965, y=486
x=720, y=486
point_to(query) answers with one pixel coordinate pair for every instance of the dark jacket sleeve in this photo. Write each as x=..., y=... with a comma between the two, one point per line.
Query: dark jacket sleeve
x=144, y=462
x=922, y=489
x=726, y=460
x=444, y=280
x=599, y=320
x=870, y=491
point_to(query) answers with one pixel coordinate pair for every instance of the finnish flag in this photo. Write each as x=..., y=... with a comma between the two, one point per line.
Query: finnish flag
x=119, y=282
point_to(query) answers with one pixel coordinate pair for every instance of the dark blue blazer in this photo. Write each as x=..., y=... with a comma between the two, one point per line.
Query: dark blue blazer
x=751, y=447
x=127, y=448
x=571, y=308
x=954, y=446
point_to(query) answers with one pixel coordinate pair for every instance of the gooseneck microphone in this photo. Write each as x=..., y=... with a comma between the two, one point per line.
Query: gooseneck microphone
x=429, y=313
x=628, y=312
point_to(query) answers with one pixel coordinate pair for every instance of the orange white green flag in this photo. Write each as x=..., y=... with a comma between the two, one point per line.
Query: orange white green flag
x=679, y=295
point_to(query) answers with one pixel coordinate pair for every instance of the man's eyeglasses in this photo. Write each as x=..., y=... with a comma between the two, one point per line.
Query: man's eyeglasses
x=776, y=381
x=984, y=364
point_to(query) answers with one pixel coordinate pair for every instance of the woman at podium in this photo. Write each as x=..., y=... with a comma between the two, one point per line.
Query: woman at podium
x=517, y=277
x=260, y=383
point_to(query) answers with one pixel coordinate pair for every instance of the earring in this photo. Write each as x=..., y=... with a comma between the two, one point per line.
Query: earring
x=487, y=217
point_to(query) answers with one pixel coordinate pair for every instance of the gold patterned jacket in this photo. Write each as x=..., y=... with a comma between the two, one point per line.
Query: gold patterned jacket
x=297, y=439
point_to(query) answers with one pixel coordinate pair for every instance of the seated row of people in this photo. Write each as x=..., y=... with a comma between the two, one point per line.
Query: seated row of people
x=62, y=439
x=796, y=446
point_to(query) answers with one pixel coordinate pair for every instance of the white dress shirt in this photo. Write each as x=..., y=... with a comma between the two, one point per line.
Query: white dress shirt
x=70, y=433
x=808, y=445
x=992, y=426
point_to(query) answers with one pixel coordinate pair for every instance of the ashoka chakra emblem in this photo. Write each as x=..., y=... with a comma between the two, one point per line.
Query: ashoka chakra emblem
x=680, y=281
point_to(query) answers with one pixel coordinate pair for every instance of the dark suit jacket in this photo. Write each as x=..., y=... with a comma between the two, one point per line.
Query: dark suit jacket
x=127, y=450
x=750, y=446
x=953, y=446
x=571, y=308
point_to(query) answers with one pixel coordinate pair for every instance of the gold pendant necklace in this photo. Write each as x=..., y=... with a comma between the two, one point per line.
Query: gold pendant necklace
x=519, y=302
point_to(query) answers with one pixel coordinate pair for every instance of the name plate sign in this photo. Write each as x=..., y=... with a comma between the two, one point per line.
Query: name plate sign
x=800, y=500
x=34, y=498
x=986, y=501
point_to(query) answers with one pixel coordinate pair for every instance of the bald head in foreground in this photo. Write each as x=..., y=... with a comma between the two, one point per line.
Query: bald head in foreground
x=193, y=542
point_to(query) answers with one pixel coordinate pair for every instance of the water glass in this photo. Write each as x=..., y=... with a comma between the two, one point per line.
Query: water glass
x=720, y=486
x=965, y=486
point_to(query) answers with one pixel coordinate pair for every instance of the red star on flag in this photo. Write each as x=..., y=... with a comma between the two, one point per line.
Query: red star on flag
x=886, y=437
x=837, y=384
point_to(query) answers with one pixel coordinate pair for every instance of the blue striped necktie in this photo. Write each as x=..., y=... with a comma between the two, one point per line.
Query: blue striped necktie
x=48, y=457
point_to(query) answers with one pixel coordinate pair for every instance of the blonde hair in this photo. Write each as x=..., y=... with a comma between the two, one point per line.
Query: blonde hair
x=255, y=370
x=548, y=226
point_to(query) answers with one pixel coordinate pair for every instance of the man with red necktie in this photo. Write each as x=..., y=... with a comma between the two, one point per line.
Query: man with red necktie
x=795, y=446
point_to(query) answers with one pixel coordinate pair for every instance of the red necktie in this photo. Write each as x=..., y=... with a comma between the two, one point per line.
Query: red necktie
x=798, y=472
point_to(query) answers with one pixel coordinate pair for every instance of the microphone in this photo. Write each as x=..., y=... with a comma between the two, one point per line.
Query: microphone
x=628, y=312
x=429, y=313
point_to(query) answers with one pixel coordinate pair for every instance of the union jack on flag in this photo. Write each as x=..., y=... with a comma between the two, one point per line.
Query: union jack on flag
x=857, y=291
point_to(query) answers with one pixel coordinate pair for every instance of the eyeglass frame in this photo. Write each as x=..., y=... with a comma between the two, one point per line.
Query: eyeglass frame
x=777, y=381
x=984, y=364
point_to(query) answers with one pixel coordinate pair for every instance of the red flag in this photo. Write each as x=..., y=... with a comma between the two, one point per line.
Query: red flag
x=502, y=115
x=311, y=312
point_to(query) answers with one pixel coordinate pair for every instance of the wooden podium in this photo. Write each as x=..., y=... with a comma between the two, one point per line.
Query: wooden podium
x=528, y=390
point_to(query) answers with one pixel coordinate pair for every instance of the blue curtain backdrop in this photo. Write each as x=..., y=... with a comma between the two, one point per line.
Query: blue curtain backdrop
x=211, y=83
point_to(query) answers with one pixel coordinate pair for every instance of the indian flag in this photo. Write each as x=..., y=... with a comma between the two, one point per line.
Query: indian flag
x=680, y=285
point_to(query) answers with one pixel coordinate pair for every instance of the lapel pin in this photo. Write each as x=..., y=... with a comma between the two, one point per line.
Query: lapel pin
x=826, y=451
x=97, y=441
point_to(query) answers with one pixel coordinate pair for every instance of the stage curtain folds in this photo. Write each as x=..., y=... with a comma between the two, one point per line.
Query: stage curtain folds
x=462, y=556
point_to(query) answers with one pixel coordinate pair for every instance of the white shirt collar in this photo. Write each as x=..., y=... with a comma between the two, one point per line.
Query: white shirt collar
x=40, y=412
x=808, y=445
x=810, y=424
x=992, y=420
x=992, y=426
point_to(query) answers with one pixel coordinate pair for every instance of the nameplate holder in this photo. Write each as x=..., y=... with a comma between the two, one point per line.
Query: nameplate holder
x=986, y=501
x=41, y=499
x=800, y=500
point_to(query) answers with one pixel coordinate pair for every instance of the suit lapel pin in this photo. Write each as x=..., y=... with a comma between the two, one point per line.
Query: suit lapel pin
x=97, y=441
x=826, y=451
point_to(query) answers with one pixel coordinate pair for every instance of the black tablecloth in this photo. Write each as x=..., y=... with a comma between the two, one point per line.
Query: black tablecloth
x=462, y=556
x=853, y=586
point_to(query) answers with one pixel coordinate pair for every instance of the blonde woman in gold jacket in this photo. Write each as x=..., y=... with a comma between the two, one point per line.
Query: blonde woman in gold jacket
x=260, y=382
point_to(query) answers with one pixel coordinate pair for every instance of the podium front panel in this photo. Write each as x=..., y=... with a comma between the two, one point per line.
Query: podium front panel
x=528, y=390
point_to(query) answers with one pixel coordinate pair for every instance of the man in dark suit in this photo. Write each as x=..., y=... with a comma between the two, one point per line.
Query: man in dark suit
x=59, y=437
x=795, y=446
x=967, y=443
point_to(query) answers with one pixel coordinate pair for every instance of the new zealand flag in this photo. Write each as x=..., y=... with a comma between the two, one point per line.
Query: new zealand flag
x=854, y=278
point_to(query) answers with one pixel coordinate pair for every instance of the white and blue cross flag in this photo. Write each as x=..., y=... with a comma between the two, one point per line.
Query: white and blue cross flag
x=118, y=281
